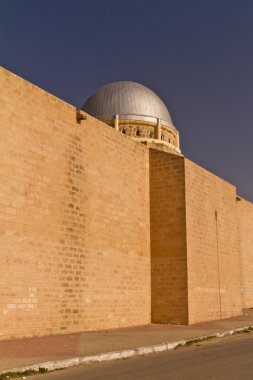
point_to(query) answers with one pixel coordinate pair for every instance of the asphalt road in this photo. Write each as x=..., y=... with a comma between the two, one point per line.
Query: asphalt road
x=227, y=358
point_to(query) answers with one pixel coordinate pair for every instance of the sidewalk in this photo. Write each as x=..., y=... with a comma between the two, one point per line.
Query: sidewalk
x=30, y=351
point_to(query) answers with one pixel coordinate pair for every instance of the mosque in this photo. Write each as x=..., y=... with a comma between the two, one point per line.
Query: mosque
x=105, y=223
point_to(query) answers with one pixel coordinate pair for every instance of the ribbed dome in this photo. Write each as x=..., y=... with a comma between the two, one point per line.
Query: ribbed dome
x=129, y=100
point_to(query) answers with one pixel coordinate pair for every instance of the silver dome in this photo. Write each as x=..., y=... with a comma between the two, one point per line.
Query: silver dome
x=128, y=100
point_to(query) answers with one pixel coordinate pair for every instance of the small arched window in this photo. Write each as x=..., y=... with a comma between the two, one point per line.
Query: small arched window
x=123, y=131
x=162, y=137
x=137, y=133
x=169, y=141
x=151, y=134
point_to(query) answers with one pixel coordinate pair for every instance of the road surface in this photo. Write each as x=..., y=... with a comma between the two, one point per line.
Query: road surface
x=222, y=359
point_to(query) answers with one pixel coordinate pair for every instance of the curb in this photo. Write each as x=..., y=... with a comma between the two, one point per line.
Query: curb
x=116, y=355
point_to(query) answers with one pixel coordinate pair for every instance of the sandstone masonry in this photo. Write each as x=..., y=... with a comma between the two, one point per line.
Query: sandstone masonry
x=98, y=231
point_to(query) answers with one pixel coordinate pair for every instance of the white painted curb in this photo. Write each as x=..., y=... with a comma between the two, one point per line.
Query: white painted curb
x=66, y=363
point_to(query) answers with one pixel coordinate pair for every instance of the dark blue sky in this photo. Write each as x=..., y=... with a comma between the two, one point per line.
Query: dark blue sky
x=196, y=54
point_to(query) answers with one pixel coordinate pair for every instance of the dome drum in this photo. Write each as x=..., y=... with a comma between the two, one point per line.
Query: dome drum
x=140, y=131
x=146, y=118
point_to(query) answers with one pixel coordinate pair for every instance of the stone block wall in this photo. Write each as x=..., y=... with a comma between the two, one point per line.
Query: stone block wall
x=213, y=261
x=98, y=231
x=168, y=238
x=117, y=247
x=74, y=227
x=245, y=225
x=195, y=261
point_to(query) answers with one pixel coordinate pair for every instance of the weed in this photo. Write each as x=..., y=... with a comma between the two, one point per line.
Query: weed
x=15, y=375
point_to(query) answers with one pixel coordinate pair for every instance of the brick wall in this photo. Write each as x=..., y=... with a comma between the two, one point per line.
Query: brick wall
x=245, y=224
x=191, y=206
x=81, y=205
x=116, y=204
x=212, y=246
x=74, y=229
x=168, y=238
